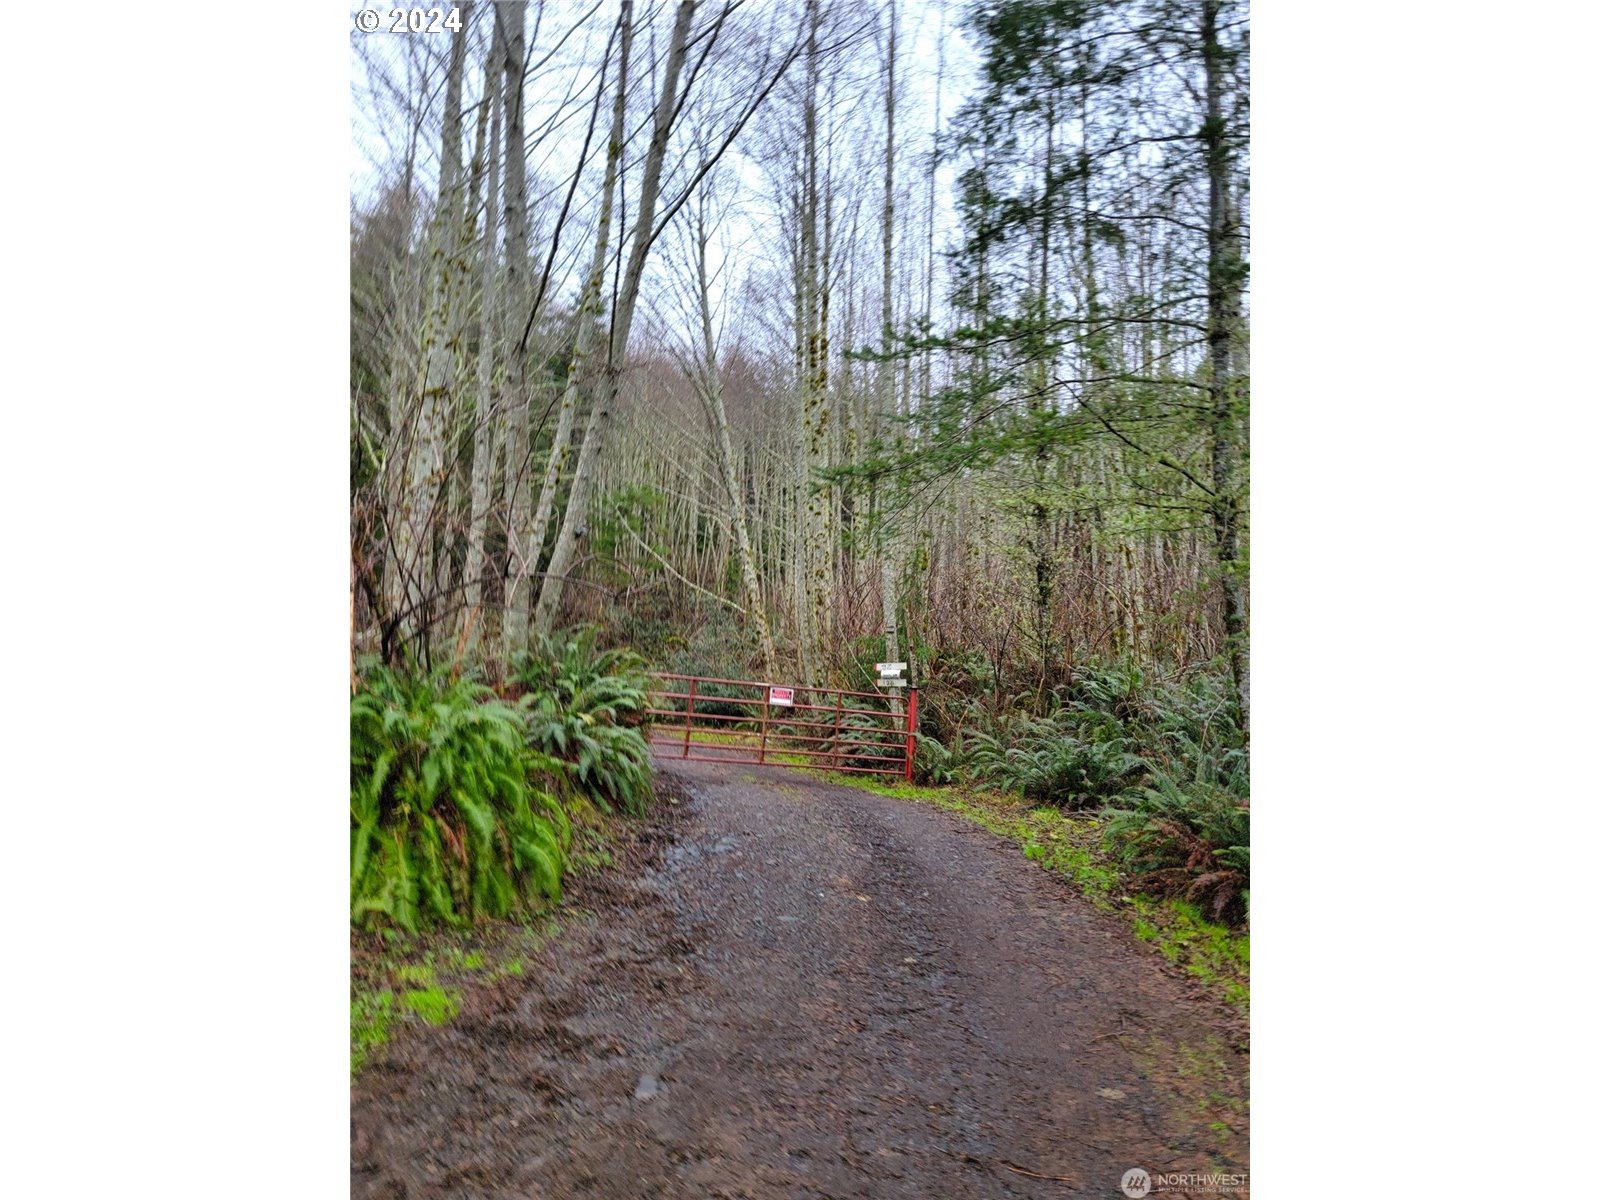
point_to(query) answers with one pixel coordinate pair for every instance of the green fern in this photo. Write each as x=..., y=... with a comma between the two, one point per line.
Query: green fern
x=1190, y=836
x=581, y=676
x=581, y=707
x=934, y=762
x=1122, y=690
x=1056, y=761
x=446, y=823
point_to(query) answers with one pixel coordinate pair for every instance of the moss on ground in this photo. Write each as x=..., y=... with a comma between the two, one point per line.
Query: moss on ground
x=398, y=977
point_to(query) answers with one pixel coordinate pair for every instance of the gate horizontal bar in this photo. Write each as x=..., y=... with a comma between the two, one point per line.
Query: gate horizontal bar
x=703, y=698
x=755, y=683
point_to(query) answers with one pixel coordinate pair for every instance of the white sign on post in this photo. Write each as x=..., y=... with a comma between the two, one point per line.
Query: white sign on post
x=781, y=695
x=890, y=668
x=891, y=681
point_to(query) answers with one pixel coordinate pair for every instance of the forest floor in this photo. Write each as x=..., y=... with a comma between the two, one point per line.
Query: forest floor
x=785, y=987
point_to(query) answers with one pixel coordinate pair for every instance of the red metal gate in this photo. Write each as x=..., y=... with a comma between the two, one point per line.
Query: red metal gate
x=736, y=721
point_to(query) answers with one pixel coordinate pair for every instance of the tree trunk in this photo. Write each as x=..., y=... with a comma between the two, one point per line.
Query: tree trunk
x=517, y=412
x=886, y=382
x=483, y=431
x=425, y=476
x=712, y=388
x=589, y=306
x=572, y=522
x=818, y=539
x=1225, y=278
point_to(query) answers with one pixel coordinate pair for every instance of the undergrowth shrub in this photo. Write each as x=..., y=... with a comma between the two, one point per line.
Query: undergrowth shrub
x=1060, y=761
x=1188, y=837
x=719, y=699
x=1186, y=831
x=715, y=648
x=933, y=762
x=582, y=707
x=447, y=823
x=571, y=667
x=1162, y=753
x=1121, y=690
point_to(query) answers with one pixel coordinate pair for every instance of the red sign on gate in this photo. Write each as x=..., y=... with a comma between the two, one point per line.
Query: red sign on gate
x=780, y=695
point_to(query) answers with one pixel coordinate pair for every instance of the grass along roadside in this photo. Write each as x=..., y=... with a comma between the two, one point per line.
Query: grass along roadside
x=1073, y=844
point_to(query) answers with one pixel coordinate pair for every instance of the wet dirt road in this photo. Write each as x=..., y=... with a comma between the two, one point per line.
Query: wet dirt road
x=803, y=990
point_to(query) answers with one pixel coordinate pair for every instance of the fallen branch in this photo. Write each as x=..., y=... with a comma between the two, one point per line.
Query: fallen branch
x=1035, y=1174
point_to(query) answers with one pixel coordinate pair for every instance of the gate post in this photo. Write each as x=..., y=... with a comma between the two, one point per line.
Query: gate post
x=688, y=719
x=766, y=713
x=911, y=729
x=838, y=705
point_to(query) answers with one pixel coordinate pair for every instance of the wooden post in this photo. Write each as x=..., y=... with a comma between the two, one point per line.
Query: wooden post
x=911, y=730
x=688, y=719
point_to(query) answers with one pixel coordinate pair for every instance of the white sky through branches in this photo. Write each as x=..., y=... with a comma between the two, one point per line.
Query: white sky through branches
x=389, y=71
